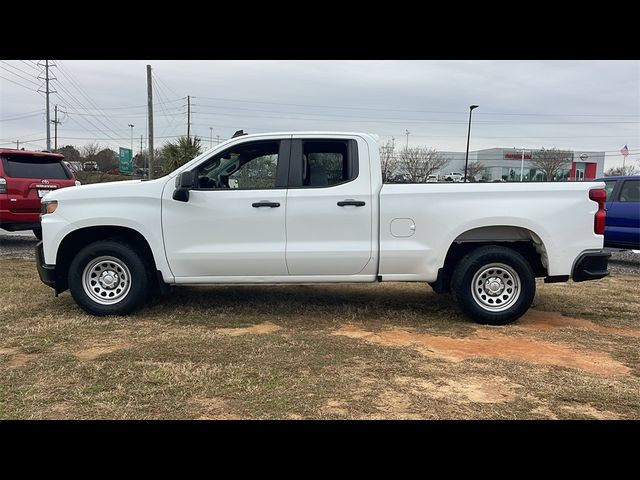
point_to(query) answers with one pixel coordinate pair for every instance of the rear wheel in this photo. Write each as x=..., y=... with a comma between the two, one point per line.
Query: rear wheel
x=108, y=277
x=494, y=285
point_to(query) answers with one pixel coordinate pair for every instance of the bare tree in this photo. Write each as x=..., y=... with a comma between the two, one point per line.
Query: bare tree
x=622, y=171
x=420, y=162
x=90, y=150
x=474, y=169
x=551, y=161
x=388, y=159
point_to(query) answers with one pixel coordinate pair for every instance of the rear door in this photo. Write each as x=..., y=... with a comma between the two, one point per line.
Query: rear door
x=329, y=207
x=30, y=177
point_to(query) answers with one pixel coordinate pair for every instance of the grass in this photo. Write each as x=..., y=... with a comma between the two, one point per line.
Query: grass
x=334, y=351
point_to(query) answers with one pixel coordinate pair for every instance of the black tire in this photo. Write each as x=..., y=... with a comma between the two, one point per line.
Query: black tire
x=125, y=257
x=38, y=233
x=484, y=269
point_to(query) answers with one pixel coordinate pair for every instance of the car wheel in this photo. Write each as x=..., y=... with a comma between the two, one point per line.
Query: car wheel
x=38, y=233
x=108, y=277
x=493, y=285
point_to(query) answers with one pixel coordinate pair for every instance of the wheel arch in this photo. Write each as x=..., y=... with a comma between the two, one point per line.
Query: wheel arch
x=520, y=239
x=77, y=239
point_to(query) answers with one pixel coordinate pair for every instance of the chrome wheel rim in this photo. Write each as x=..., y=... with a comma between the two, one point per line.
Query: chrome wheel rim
x=495, y=287
x=106, y=280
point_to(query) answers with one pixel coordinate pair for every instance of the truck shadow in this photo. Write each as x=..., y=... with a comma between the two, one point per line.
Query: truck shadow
x=398, y=303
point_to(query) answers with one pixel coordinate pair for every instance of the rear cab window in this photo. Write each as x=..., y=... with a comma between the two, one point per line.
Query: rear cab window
x=322, y=163
x=33, y=166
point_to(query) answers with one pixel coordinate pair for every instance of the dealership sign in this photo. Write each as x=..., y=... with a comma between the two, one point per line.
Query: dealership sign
x=517, y=156
x=126, y=161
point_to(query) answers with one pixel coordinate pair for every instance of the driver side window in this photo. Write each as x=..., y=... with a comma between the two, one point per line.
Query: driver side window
x=250, y=166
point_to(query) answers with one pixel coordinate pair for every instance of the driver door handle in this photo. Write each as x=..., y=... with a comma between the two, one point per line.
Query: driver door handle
x=265, y=203
x=349, y=201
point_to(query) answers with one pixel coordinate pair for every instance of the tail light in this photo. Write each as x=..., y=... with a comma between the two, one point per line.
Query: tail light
x=599, y=195
x=3, y=185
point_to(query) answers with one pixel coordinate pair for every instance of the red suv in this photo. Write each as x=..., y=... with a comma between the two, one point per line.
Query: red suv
x=26, y=177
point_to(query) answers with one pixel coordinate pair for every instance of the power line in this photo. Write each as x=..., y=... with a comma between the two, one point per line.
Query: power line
x=20, y=116
x=98, y=119
x=343, y=107
x=24, y=86
x=83, y=93
x=357, y=119
x=20, y=76
x=33, y=66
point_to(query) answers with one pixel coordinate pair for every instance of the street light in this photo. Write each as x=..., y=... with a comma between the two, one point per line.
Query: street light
x=131, y=138
x=466, y=158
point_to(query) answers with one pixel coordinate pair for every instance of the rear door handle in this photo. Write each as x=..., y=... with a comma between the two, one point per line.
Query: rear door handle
x=350, y=202
x=265, y=203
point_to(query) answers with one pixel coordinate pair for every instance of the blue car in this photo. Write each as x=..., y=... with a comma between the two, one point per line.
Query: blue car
x=622, y=228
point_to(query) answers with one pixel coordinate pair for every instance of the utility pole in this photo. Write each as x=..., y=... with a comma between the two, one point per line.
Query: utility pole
x=210, y=137
x=17, y=144
x=188, y=117
x=55, y=122
x=150, y=114
x=46, y=76
x=131, y=126
x=218, y=139
x=407, y=132
x=140, y=144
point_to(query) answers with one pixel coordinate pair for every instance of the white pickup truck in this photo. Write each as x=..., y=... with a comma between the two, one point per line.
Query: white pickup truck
x=299, y=208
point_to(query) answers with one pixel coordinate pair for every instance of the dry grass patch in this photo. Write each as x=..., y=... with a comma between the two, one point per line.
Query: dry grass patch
x=332, y=351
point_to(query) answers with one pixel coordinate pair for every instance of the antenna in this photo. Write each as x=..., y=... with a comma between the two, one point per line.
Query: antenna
x=239, y=133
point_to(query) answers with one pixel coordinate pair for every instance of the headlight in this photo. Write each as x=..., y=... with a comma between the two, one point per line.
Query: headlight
x=48, y=206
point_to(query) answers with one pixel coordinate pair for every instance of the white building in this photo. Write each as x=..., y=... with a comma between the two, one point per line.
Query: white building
x=505, y=164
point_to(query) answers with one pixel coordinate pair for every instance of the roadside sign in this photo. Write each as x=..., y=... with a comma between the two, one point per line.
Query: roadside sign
x=126, y=161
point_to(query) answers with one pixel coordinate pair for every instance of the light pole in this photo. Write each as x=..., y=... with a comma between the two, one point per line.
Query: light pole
x=466, y=158
x=407, y=132
x=210, y=137
x=522, y=165
x=131, y=138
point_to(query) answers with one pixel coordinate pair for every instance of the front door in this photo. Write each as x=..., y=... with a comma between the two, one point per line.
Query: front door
x=329, y=208
x=234, y=221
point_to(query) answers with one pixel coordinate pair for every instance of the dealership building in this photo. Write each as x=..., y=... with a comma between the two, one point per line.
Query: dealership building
x=504, y=164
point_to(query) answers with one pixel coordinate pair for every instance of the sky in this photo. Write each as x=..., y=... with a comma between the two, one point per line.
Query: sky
x=579, y=105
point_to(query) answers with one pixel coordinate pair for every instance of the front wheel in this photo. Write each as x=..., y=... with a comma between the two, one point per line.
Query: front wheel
x=108, y=277
x=494, y=285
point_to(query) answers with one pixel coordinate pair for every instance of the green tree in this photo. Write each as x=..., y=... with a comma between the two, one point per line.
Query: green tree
x=71, y=153
x=180, y=152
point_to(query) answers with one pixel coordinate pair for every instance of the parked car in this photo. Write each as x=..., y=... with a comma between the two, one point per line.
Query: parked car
x=622, y=229
x=26, y=177
x=453, y=177
x=312, y=208
x=432, y=178
x=90, y=166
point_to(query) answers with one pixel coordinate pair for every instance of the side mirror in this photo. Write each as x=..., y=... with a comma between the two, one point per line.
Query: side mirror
x=184, y=183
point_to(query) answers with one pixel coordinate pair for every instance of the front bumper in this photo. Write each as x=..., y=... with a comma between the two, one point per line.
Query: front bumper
x=591, y=265
x=46, y=272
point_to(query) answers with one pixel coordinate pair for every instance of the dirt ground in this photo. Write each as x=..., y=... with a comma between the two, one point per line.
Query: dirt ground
x=384, y=351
